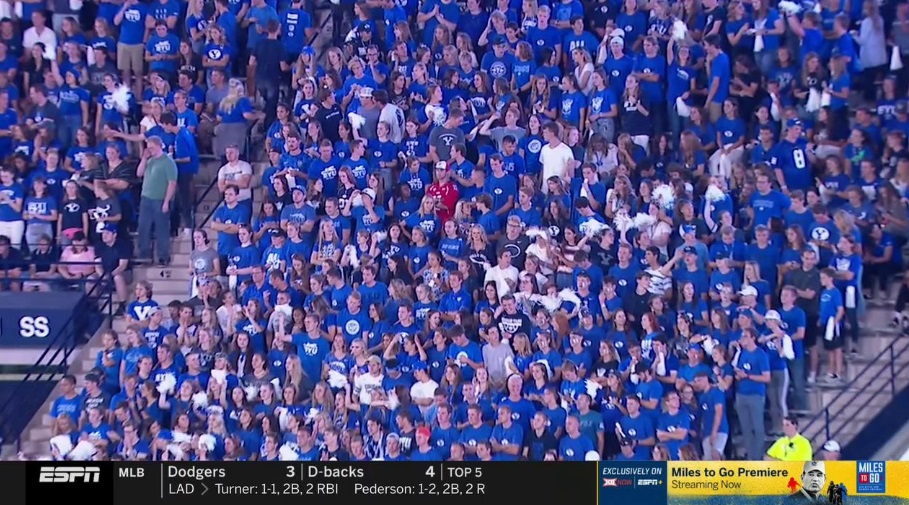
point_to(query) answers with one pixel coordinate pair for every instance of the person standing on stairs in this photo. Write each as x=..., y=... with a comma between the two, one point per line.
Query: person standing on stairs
x=186, y=156
x=159, y=186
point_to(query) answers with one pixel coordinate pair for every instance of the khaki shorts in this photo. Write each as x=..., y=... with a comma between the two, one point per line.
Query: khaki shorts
x=131, y=57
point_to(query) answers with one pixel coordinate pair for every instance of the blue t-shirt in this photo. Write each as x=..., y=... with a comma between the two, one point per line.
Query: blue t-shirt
x=132, y=28
x=754, y=362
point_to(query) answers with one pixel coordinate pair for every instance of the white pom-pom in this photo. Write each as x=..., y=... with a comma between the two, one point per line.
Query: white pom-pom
x=286, y=452
x=592, y=388
x=679, y=30
x=790, y=7
x=535, y=232
x=393, y=401
x=622, y=221
x=200, y=400
x=568, y=295
x=356, y=121
x=219, y=376
x=181, y=438
x=176, y=451
x=207, y=441
x=591, y=227
x=665, y=196
x=62, y=444
x=167, y=384
x=336, y=379
x=252, y=393
x=436, y=113
x=121, y=98
x=592, y=456
x=714, y=194
x=643, y=221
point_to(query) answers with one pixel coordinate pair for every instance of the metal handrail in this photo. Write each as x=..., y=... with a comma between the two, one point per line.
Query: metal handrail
x=828, y=415
x=54, y=360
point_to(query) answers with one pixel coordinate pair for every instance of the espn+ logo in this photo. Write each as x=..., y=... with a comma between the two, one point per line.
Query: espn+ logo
x=70, y=474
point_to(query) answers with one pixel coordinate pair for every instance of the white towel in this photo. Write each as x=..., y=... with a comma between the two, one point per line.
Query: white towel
x=194, y=286
x=850, y=297
x=788, y=351
x=682, y=108
x=831, y=331
x=825, y=99
x=896, y=59
x=232, y=282
x=814, y=100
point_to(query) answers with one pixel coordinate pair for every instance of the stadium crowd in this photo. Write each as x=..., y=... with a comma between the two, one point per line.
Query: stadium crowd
x=483, y=231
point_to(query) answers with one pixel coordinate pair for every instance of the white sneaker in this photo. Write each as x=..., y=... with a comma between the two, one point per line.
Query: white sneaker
x=812, y=379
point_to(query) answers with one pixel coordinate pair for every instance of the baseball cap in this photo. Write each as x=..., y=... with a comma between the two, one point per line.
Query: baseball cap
x=442, y=165
x=393, y=436
x=794, y=122
x=773, y=315
x=423, y=430
x=815, y=466
x=369, y=192
x=365, y=92
x=832, y=446
x=374, y=359
x=110, y=227
x=498, y=40
x=748, y=291
x=689, y=250
x=689, y=228
x=419, y=366
x=722, y=255
x=619, y=41
x=392, y=364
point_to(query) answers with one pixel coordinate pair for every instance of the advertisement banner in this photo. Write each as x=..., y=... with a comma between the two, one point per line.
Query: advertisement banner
x=775, y=482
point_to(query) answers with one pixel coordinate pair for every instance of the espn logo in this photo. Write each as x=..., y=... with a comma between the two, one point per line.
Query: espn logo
x=70, y=474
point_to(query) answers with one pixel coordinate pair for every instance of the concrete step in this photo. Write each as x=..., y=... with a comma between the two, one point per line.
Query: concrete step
x=38, y=434
x=39, y=430
x=164, y=299
x=160, y=276
x=851, y=409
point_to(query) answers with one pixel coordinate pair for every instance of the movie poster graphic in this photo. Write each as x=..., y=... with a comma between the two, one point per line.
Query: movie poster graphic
x=779, y=483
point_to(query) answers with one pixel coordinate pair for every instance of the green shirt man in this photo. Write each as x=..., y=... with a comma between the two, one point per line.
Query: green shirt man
x=159, y=179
